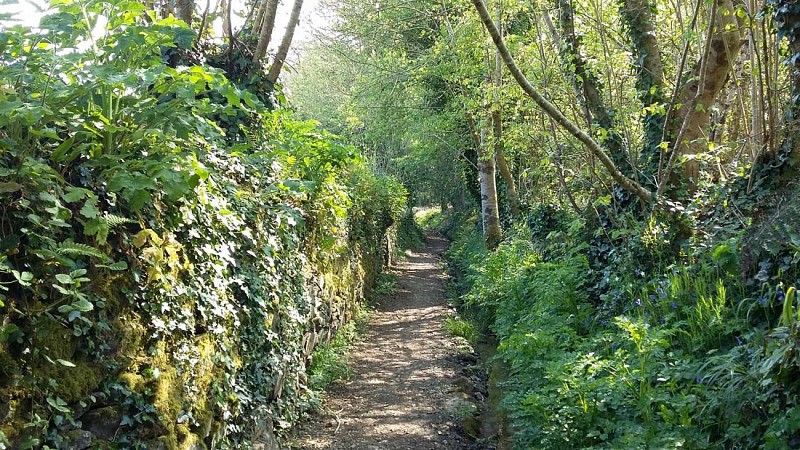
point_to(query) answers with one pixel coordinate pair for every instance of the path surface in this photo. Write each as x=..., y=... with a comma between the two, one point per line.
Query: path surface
x=403, y=371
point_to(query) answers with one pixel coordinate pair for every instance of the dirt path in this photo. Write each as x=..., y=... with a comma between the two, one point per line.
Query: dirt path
x=403, y=371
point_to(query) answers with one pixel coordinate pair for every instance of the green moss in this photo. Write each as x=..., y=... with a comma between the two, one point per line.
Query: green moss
x=72, y=383
x=134, y=381
x=167, y=397
x=192, y=442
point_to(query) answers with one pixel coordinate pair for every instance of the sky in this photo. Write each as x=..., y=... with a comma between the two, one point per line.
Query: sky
x=313, y=17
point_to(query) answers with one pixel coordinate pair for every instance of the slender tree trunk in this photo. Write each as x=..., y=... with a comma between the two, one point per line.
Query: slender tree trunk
x=489, y=210
x=502, y=164
x=490, y=214
x=723, y=43
x=265, y=33
x=184, y=10
x=639, y=17
x=589, y=89
x=286, y=42
x=559, y=117
x=497, y=125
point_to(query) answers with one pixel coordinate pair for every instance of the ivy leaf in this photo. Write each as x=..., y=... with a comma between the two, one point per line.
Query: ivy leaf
x=23, y=278
x=63, y=278
x=82, y=305
x=58, y=404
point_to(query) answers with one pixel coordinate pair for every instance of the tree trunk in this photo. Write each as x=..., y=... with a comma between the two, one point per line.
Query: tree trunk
x=490, y=214
x=489, y=210
x=286, y=42
x=184, y=10
x=588, y=88
x=497, y=125
x=502, y=164
x=639, y=18
x=723, y=43
x=265, y=33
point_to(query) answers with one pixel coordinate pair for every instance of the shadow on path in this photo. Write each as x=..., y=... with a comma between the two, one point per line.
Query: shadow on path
x=396, y=397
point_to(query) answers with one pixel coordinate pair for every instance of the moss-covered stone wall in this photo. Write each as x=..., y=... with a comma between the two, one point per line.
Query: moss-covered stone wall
x=191, y=324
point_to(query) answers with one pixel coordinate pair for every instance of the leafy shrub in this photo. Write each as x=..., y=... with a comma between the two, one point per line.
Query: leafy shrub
x=692, y=359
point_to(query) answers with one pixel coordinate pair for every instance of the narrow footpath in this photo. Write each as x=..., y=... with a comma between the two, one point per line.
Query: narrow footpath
x=403, y=371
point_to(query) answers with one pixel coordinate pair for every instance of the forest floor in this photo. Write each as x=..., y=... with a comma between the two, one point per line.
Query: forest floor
x=400, y=395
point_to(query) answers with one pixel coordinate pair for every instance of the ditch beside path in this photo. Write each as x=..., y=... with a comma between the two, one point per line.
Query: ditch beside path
x=403, y=370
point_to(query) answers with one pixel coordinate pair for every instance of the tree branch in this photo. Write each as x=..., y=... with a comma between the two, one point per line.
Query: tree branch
x=630, y=185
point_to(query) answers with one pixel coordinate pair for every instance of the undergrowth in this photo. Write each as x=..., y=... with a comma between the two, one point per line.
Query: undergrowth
x=668, y=356
x=329, y=361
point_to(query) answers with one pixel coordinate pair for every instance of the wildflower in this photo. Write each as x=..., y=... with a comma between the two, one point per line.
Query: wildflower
x=652, y=298
x=673, y=305
x=661, y=292
x=762, y=301
x=738, y=341
x=638, y=302
x=779, y=294
x=699, y=379
x=614, y=347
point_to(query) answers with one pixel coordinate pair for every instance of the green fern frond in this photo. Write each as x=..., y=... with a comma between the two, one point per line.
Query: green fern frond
x=114, y=221
x=77, y=249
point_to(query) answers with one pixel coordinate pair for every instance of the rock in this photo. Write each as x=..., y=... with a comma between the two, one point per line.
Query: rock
x=103, y=422
x=471, y=426
x=263, y=435
x=78, y=440
x=464, y=384
x=155, y=444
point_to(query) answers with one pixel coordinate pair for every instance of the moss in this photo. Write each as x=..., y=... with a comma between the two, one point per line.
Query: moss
x=167, y=396
x=192, y=442
x=130, y=334
x=135, y=382
x=205, y=374
x=73, y=383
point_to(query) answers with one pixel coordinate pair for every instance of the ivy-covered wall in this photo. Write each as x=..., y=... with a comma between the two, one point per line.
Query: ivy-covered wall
x=171, y=252
x=190, y=326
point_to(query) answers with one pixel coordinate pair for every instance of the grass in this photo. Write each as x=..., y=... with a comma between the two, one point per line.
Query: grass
x=462, y=328
x=329, y=361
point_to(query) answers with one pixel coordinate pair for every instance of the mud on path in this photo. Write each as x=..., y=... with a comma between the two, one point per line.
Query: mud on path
x=403, y=370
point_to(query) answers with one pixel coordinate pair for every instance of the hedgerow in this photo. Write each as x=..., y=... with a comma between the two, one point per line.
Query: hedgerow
x=164, y=277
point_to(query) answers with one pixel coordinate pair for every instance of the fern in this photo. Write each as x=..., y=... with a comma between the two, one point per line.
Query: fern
x=114, y=221
x=78, y=249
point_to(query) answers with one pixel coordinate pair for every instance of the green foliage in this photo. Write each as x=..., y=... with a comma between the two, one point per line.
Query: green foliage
x=329, y=361
x=462, y=328
x=151, y=259
x=692, y=359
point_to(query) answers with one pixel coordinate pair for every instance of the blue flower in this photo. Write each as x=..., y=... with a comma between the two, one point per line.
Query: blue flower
x=762, y=300
x=661, y=292
x=699, y=379
x=614, y=347
x=779, y=294
x=652, y=298
x=738, y=341
x=673, y=305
